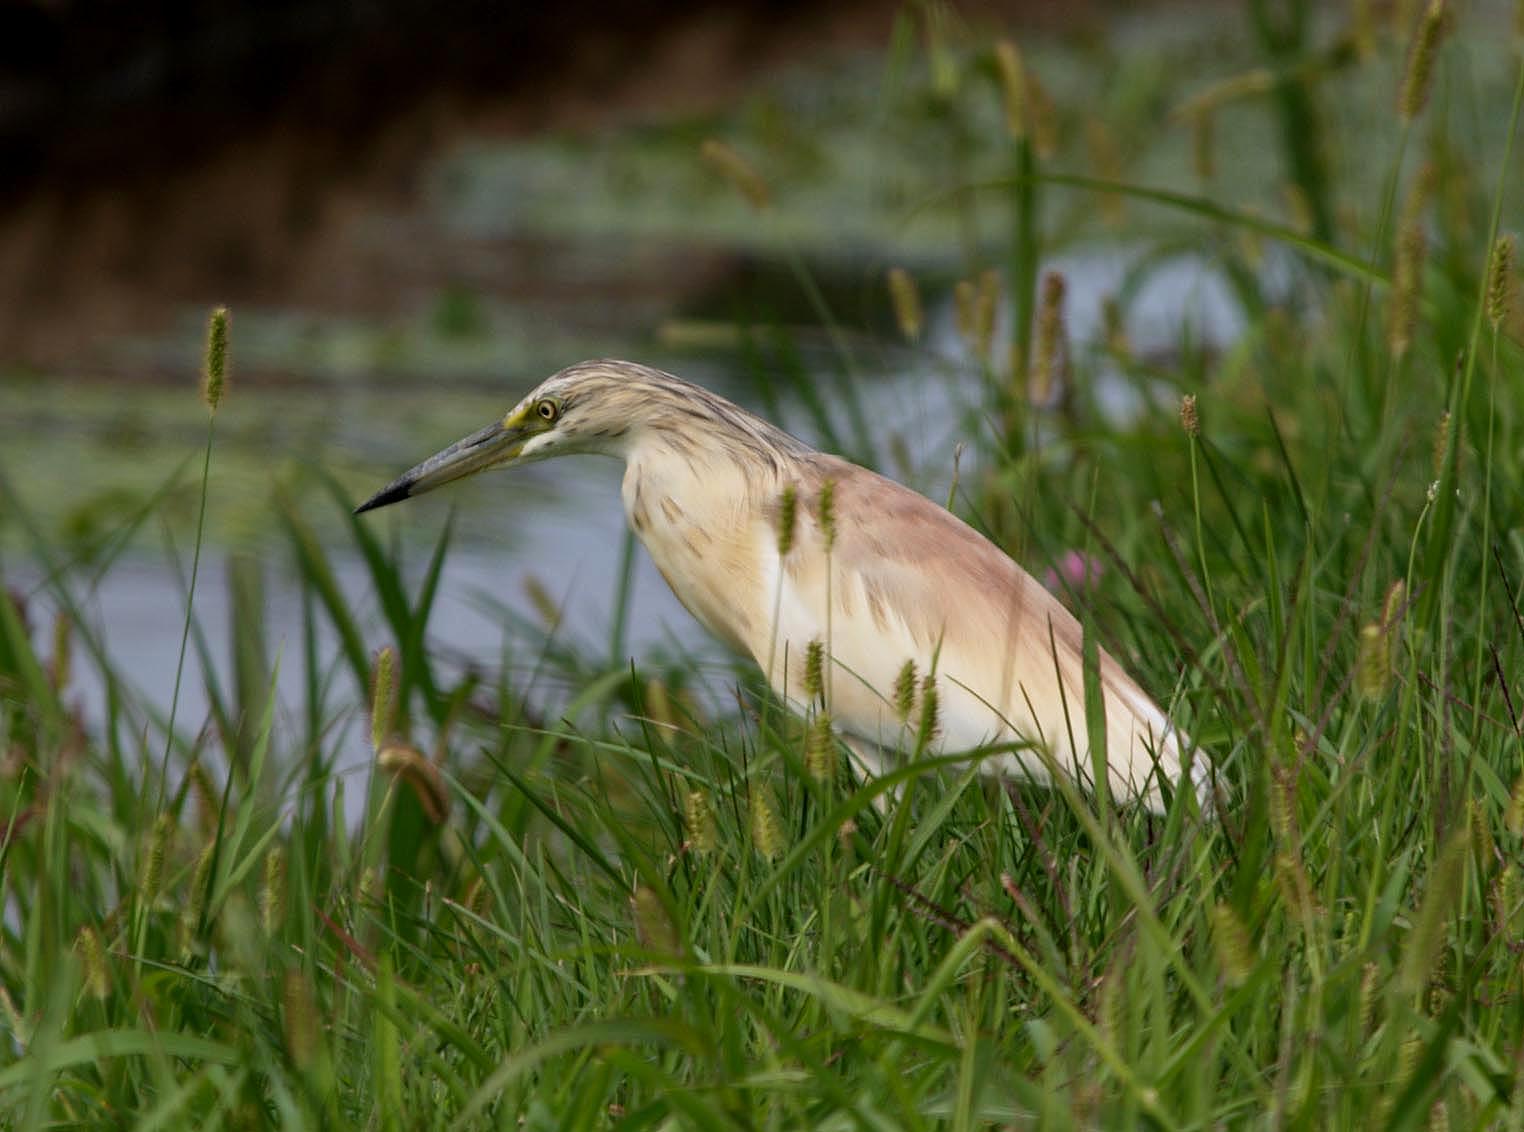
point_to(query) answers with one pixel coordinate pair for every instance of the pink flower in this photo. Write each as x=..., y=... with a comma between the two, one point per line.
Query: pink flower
x=1076, y=571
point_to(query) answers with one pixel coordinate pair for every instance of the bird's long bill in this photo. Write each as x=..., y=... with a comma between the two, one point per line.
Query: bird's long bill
x=495, y=444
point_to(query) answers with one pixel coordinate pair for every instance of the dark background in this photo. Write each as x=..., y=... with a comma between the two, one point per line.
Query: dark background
x=155, y=154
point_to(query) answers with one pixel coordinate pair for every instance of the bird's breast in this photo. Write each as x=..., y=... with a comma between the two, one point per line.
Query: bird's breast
x=697, y=529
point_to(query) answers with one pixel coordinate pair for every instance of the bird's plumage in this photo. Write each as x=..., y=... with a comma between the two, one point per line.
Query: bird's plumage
x=903, y=580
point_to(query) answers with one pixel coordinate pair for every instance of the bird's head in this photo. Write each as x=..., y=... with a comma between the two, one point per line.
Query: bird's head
x=589, y=407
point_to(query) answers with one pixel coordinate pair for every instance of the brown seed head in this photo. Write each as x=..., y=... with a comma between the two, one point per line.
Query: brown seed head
x=906, y=298
x=1393, y=604
x=1051, y=349
x=1190, y=420
x=986, y=300
x=427, y=783
x=1441, y=442
x=1013, y=87
x=738, y=171
x=1407, y=266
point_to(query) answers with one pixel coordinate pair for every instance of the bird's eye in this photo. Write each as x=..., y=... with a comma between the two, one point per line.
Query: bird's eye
x=548, y=410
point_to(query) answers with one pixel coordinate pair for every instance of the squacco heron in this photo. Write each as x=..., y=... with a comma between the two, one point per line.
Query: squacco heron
x=888, y=577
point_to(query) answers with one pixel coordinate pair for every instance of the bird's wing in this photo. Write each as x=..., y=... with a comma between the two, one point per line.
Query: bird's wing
x=906, y=579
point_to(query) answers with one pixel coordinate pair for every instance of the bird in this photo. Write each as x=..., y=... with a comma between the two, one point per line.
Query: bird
x=778, y=549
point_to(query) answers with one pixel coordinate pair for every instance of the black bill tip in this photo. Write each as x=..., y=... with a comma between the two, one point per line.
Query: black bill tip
x=392, y=493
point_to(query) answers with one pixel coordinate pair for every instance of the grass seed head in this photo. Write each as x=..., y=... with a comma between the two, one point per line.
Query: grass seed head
x=741, y=174
x=1190, y=417
x=1394, y=604
x=92, y=957
x=415, y=768
x=904, y=691
x=820, y=749
x=1235, y=953
x=906, y=297
x=1505, y=897
x=1513, y=817
x=845, y=832
x=659, y=704
x=1482, y=843
x=1407, y=266
x=827, y=514
x=1011, y=73
x=653, y=924
x=371, y=887
x=1441, y=441
x=965, y=297
x=986, y=300
x=930, y=722
x=788, y=519
x=16, y=1024
x=546, y=607
x=299, y=1021
x=383, y=697
x=1298, y=208
x=1111, y=1009
x=195, y=902
x=1413, y=95
x=1430, y=924
x=1296, y=889
x=766, y=830
x=1500, y=280
x=1106, y=160
x=1042, y=118
x=699, y=826
x=1369, y=978
x=1283, y=806
x=1049, y=363
x=208, y=801
x=152, y=876
x=272, y=897
x=1408, y=1056
x=814, y=671
x=1373, y=662
x=214, y=368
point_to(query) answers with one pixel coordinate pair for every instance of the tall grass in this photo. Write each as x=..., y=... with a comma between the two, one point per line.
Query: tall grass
x=630, y=913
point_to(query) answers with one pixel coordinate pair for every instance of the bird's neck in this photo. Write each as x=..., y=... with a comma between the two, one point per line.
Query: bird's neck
x=677, y=463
